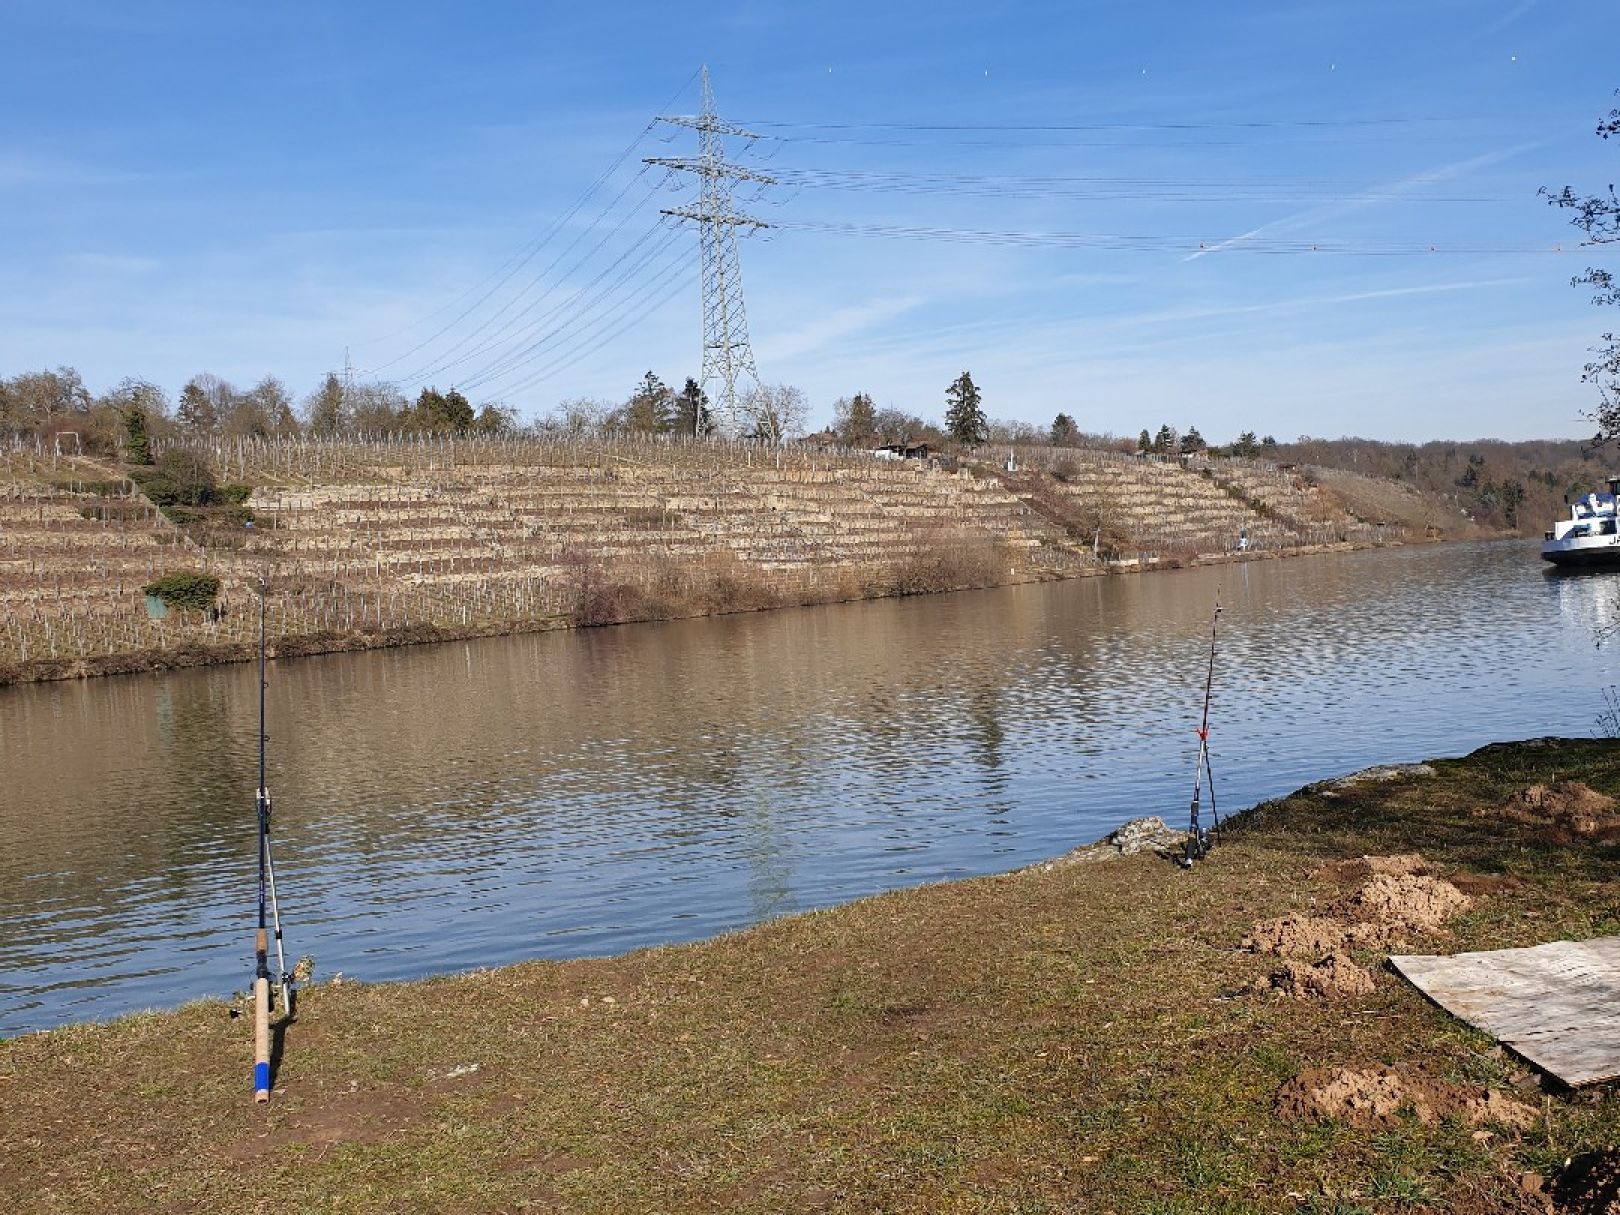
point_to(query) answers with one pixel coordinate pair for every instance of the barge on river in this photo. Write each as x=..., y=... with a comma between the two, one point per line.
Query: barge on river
x=1589, y=536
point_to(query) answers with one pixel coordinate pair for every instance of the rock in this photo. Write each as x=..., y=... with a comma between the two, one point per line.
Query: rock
x=1138, y=835
x=1379, y=772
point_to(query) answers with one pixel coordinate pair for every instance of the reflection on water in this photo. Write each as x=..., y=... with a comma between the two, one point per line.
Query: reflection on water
x=460, y=805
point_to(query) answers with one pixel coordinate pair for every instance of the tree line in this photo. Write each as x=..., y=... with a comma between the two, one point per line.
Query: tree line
x=123, y=420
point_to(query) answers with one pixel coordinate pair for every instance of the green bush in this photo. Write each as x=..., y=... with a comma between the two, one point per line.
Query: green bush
x=185, y=590
x=180, y=479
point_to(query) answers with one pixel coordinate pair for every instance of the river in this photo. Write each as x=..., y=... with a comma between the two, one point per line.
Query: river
x=445, y=807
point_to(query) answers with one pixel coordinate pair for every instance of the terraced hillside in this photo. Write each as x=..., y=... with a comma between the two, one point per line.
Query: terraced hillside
x=371, y=543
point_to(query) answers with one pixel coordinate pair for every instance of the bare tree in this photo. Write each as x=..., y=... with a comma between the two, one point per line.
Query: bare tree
x=777, y=411
x=36, y=397
x=580, y=416
x=1598, y=215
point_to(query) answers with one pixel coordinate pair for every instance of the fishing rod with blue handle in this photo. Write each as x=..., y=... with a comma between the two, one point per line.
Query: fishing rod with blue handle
x=1198, y=839
x=268, y=903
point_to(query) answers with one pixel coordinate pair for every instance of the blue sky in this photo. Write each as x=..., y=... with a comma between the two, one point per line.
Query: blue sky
x=253, y=189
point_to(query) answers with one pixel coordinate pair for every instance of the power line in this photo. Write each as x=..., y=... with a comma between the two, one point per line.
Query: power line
x=576, y=307
x=1233, y=124
x=1103, y=188
x=523, y=258
x=444, y=361
x=525, y=253
x=677, y=273
x=1145, y=242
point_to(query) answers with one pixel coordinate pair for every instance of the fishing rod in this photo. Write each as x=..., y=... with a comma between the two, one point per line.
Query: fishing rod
x=267, y=902
x=1198, y=839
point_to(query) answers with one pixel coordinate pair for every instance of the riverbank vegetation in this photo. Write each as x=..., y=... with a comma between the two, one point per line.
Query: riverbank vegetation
x=1074, y=1037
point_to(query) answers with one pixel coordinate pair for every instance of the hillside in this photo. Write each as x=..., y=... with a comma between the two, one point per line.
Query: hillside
x=1519, y=486
x=379, y=542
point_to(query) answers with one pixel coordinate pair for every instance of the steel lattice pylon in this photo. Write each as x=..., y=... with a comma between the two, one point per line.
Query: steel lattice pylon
x=727, y=355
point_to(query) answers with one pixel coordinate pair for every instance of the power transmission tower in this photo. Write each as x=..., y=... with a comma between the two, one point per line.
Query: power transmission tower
x=727, y=354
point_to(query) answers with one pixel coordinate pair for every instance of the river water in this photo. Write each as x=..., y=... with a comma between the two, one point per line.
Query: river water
x=445, y=807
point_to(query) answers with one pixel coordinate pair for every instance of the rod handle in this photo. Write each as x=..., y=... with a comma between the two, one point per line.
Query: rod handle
x=261, y=1022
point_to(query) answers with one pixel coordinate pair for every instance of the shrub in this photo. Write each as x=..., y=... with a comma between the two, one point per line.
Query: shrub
x=185, y=590
x=180, y=479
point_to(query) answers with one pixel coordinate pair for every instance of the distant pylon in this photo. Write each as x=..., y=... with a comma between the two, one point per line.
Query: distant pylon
x=727, y=355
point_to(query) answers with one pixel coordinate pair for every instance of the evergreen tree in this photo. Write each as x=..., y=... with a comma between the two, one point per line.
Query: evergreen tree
x=692, y=415
x=1064, y=432
x=494, y=419
x=1165, y=441
x=1268, y=444
x=964, y=411
x=137, y=444
x=855, y=420
x=1144, y=442
x=651, y=407
x=325, y=410
x=1192, y=442
x=1246, y=445
x=440, y=412
x=197, y=410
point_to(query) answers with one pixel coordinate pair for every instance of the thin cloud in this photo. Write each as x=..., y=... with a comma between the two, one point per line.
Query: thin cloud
x=19, y=170
x=806, y=339
x=1370, y=198
x=1508, y=18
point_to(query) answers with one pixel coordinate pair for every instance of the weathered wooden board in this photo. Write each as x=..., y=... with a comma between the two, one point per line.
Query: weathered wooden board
x=1558, y=1004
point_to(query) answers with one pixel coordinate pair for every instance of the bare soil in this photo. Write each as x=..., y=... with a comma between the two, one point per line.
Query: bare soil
x=1374, y=1096
x=1390, y=907
x=1589, y=1185
x=1296, y=936
x=1395, y=899
x=1334, y=976
x=1567, y=810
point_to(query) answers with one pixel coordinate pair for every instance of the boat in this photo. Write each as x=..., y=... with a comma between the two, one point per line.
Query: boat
x=1589, y=536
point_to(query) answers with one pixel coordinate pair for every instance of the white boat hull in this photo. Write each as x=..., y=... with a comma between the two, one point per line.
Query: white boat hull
x=1583, y=550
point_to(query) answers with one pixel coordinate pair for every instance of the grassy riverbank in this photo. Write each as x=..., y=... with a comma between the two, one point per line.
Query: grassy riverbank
x=1072, y=1037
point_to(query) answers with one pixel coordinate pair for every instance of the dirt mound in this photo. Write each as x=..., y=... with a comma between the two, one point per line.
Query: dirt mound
x=1589, y=1185
x=1396, y=898
x=1569, y=809
x=1392, y=904
x=1376, y=1096
x=1334, y=975
x=1295, y=936
x=1350, y=873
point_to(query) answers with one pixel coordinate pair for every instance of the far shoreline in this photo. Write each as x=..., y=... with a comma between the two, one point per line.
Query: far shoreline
x=364, y=639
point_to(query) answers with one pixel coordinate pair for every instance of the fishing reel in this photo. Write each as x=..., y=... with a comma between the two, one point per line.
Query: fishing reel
x=1196, y=847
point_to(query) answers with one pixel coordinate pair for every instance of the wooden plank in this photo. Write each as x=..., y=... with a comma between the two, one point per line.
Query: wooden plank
x=1557, y=1005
